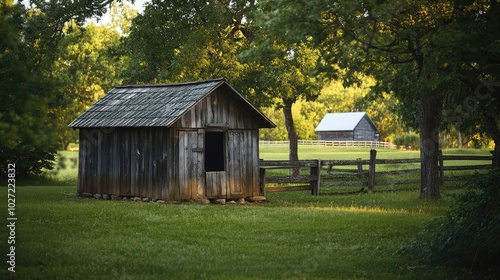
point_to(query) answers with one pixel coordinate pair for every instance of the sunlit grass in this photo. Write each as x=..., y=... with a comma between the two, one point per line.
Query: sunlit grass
x=292, y=236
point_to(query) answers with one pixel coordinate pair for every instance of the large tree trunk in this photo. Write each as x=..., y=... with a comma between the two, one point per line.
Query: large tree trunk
x=492, y=128
x=496, y=155
x=292, y=133
x=428, y=119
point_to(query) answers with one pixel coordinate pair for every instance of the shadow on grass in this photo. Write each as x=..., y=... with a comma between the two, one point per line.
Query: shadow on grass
x=44, y=180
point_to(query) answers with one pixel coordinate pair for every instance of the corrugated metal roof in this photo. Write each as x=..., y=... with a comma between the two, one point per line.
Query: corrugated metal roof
x=341, y=121
x=157, y=105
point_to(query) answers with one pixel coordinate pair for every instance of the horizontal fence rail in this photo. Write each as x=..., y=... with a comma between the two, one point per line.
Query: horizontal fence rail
x=353, y=173
x=363, y=144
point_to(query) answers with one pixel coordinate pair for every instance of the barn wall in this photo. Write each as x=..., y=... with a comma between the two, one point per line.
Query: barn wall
x=335, y=135
x=147, y=162
x=240, y=177
x=243, y=163
x=364, y=131
x=217, y=112
x=123, y=161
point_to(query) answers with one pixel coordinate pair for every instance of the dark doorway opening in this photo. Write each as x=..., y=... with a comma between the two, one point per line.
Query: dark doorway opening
x=214, y=151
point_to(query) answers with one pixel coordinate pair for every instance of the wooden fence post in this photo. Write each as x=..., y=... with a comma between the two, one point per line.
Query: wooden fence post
x=316, y=178
x=371, y=171
x=441, y=168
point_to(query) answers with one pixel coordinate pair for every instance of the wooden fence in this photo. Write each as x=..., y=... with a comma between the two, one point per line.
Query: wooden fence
x=364, y=144
x=337, y=175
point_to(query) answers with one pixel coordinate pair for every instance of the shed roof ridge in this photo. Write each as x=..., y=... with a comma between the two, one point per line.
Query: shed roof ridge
x=173, y=84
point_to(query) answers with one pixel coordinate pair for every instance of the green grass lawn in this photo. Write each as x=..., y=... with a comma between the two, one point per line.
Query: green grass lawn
x=292, y=236
x=268, y=152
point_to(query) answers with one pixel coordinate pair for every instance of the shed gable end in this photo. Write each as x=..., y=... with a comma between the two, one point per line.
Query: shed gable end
x=217, y=110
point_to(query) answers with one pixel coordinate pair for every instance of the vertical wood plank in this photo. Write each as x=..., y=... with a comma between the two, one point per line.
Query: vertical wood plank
x=115, y=160
x=121, y=144
x=134, y=165
x=188, y=164
x=99, y=163
x=200, y=166
x=157, y=162
x=235, y=164
x=174, y=193
x=149, y=162
x=170, y=158
x=94, y=158
x=254, y=156
x=82, y=171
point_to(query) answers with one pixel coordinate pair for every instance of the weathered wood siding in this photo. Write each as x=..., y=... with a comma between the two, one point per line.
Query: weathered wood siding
x=243, y=163
x=240, y=177
x=123, y=161
x=336, y=135
x=364, y=131
x=217, y=110
x=168, y=163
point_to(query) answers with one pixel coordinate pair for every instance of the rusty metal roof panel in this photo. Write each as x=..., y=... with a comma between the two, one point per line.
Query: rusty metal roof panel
x=145, y=105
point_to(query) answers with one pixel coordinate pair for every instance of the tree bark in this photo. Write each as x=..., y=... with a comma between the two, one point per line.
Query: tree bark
x=492, y=129
x=496, y=155
x=428, y=119
x=292, y=133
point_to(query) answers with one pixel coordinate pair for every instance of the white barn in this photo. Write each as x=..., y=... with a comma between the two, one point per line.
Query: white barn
x=354, y=126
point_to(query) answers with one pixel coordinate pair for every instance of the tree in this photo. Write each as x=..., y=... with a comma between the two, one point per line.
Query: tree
x=382, y=108
x=284, y=78
x=191, y=40
x=87, y=65
x=24, y=124
x=475, y=105
x=30, y=96
x=177, y=40
x=406, y=46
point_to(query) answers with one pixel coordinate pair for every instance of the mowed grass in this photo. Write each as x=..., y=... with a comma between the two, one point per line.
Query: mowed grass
x=280, y=152
x=292, y=236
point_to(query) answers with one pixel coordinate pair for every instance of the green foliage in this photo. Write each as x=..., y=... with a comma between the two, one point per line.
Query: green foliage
x=87, y=65
x=179, y=40
x=423, y=52
x=408, y=141
x=381, y=108
x=467, y=236
x=334, y=97
x=33, y=99
x=25, y=120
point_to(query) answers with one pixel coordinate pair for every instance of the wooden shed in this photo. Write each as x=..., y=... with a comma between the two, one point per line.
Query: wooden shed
x=175, y=142
x=354, y=126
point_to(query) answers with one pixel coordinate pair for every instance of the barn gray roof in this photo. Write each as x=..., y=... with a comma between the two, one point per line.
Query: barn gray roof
x=342, y=121
x=158, y=105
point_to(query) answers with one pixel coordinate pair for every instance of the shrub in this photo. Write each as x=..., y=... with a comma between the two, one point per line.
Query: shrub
x=408, y=141
x=467, y=236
